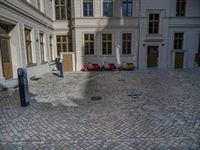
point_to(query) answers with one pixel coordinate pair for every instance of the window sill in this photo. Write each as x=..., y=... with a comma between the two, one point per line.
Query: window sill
x=126, y=55
x=88, y=16
x=107, y=56
x=179, y=50
x=92, y=55
x=32, y=65
x=153, y=34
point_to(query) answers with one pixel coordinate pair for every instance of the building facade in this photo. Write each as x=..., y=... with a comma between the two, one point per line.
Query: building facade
x=159, y=34
x=26, y=37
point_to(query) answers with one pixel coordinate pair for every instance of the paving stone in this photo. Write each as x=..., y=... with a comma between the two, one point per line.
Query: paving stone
x=61, y=114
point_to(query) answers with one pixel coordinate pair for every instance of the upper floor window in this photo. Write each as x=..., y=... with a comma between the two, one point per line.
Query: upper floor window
x=87, y=7
x=28, y=46
x=61, y=9
x=38, y=4
x=154, y=23
x=126, y=43
x=108, y=8
x=107, y=44
x=89, y=44
x=42, y=47
x=62, y=43
x=178, y=40
x=127, y=7
x=180, y=7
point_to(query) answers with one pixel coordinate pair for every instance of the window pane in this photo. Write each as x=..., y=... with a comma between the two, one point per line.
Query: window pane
x=63, y=13
x=57, y=2
x=108, y=8
x=91, y=37
x=58, y=39
x=109, y=37
x=62, y=2
x=91, y=10
x=87, y=8
x=127, y=7
x=64, y=47
x=86, y=37
x=64, y=38
x=59, y=46
x=57, y=13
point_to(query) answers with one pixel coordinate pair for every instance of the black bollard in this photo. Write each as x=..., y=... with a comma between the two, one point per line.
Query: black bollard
x=61, y=69
x=23, y=86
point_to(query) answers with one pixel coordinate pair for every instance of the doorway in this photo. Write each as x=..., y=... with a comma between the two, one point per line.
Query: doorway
x=152, y=56
x=68, y=62
x=179, y=59
x=6, y=57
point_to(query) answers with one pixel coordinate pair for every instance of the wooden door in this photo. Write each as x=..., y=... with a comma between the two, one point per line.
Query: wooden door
x=152, y=56
x=179, y=59
x=6, y=58
x=67, y=62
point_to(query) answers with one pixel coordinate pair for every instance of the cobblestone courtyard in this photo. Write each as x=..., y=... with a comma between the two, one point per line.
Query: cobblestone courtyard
x=138, y=110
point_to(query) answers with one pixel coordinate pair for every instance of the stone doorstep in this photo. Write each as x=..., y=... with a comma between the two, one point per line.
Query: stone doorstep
x=8, y=84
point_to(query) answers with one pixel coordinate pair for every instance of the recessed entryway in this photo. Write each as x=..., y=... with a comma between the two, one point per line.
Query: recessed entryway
x=152, y=56
x=179, y=60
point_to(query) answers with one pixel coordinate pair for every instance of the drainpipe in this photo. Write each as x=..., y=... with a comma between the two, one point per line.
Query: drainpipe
x=139, y=25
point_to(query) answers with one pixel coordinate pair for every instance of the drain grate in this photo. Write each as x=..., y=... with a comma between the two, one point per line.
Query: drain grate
x=96, y=98
x=135, y=94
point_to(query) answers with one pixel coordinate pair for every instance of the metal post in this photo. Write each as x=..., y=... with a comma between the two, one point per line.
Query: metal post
x=61, y=69
x=23, y=86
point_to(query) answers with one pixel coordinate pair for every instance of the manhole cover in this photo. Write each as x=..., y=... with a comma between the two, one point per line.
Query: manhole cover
x=96, y=98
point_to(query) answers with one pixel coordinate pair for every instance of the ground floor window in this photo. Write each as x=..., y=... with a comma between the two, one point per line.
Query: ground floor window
x=51, y=47
x=89, y=44
x=28, y=46
x=42, y=47
x=107, y=44
x=126, y=43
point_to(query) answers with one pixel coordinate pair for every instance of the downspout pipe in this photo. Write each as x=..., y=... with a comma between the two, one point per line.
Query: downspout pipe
x=139, y=26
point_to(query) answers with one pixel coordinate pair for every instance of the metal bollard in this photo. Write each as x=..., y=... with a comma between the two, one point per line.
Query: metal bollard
x=23, y=86
x=61, y=69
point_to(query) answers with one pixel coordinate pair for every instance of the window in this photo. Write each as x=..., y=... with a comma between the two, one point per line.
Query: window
x=28, y=46
x=178, y=40
x=62, y=44
x=87, y=7
x=61, y=9
x=126, y=43
x=107, y=44
x=38, y=4
x=154, y=23
x=108, y=8
x=180, y=7
x=127, y=7
x=89, y=44
x=42, y=47
x=51, y=47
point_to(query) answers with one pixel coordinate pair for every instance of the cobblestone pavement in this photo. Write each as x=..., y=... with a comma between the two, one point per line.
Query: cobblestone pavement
x=138, y=110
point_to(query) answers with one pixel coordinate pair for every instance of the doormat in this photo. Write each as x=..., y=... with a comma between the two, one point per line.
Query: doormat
x=96, y=98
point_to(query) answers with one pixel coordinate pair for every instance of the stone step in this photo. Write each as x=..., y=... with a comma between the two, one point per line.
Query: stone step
x=8, y=84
